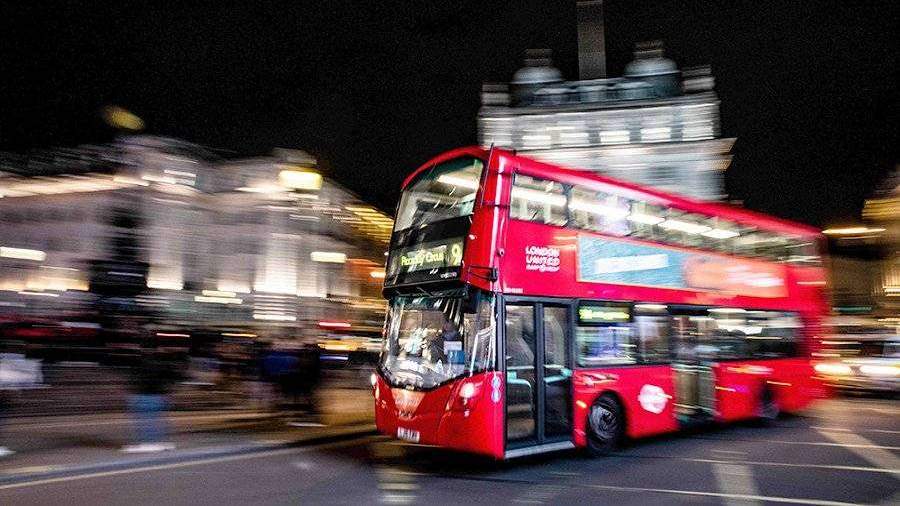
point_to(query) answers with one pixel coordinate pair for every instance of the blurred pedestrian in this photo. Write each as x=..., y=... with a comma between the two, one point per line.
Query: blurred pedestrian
x=296, y=370
x=309, y=372
x=279, y=367
x=16, y=373
x=151, y=378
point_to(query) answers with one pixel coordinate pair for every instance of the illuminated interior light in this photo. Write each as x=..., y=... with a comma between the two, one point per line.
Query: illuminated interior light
x=462, y=182
x=377, y=274
x=718, y=233
x=598, y=209
x=646, y=219
x=300, y=179
x=727, y=310
x=332, y=257
x=684, y=226
x=651, y=307
x=554, y=199
x=23, y=254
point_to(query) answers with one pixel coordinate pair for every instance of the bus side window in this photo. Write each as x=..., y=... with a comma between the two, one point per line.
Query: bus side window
x=736, y=334
x=538, y=200
x=605, y=345
x=599, y=211
x=774, y=335
x=653, y=337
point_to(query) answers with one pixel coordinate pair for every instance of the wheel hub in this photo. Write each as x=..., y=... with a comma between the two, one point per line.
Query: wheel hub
x=602, y=421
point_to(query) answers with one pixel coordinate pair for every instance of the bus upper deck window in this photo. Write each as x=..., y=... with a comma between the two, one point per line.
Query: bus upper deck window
x=599, y=211
x=538, y=200
x=445, y=191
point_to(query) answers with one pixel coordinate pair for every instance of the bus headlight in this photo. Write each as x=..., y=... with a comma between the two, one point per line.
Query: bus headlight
x=373, y=379
x=466, y=397
x=880, y=370
x=832, y=369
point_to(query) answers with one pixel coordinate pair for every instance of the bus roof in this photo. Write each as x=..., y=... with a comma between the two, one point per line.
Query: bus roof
x=568, y=175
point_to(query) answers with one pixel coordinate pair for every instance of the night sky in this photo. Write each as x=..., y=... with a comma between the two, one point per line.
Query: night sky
x=375, y=88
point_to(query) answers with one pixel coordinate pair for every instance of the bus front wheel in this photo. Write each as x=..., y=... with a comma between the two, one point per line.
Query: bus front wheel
x=606, y=426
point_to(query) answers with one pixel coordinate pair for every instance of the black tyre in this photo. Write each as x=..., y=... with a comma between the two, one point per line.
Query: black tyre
x=767, y=409
x=605, y=426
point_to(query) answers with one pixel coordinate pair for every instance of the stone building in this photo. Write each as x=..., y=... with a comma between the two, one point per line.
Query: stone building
x=656, y=125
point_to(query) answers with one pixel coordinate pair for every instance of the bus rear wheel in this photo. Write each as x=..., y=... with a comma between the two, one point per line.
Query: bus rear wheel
x=767, y=408
x=605, y=426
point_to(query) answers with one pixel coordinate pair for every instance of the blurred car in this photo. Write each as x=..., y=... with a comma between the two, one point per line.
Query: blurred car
x=351, y=349
x=861, y=362
x=53, y=340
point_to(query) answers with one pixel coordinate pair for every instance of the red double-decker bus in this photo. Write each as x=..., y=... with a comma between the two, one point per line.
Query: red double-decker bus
x=536, y=308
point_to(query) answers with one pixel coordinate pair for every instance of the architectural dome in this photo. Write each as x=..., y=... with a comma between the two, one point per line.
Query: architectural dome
x=537, y=74
x=650, y=66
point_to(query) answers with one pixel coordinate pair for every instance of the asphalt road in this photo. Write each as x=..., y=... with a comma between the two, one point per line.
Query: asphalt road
x=844, y=451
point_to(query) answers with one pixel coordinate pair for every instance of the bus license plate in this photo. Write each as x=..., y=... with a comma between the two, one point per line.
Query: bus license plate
x=408, y=434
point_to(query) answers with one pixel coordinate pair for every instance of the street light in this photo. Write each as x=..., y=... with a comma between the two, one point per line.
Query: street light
x=122, y=118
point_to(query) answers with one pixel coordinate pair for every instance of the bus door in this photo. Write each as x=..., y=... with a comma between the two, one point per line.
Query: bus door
x=538, y=373
x=691, y=366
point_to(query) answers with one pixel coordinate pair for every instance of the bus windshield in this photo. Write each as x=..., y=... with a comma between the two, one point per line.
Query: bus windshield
x=446, y=190
x=431, y=340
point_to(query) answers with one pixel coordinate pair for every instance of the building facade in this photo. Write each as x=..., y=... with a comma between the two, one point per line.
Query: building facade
x=655, y=126
x=865, y=258
x=263, y=244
